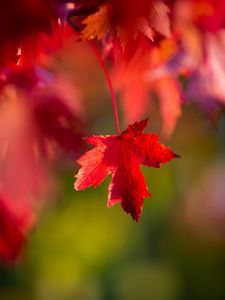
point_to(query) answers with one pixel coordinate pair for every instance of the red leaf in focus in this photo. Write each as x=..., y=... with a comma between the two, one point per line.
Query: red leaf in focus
x=121, y=156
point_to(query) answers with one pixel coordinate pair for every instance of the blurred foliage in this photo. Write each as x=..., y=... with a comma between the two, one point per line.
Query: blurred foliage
x=82, y=250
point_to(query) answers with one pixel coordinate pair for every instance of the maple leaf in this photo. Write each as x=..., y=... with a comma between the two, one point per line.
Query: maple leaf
x=97, y=24
x=128, y=21
x=135, y=81
x=37, y=118
x=121, y=156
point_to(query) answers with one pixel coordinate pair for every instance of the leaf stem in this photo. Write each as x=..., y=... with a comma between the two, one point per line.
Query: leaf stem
x=113, y=95
x=109, y=81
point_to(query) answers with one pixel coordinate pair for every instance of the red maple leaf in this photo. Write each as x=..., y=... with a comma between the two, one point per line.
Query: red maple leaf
x=123, y=24
x=121, y=156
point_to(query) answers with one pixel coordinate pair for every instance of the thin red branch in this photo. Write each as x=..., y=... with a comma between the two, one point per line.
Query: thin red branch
x=113, y=95
x=109, y=81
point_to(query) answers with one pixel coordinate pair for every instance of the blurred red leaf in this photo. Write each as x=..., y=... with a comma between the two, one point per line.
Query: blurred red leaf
x=21, y=21
x=15, y=223
x=135, y=81
x=126, y=20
